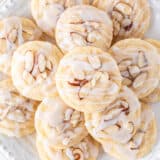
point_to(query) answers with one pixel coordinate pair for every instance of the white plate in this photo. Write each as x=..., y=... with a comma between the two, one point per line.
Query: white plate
x=24, y=149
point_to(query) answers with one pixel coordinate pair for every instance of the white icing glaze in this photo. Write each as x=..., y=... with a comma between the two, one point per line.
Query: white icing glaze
x=79, y=80
x=64, y=124
x=85, y=149
x=113, y=115
x=88, y=27
x=138, y=138
x=134, y=51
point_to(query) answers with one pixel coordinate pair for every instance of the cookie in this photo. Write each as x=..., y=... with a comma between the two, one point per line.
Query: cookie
x=33, y=69
x=87, y=149
x=14, y=31
x=138, y=62
x=88, y=27
x=16, y=112
x=155, y=95
x=59, y=124
x=88, y=79
x=119, y=121
x=47, y=12
x=141, y=143
x=129, y=19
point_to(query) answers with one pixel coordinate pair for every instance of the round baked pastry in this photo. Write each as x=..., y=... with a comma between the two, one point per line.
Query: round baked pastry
x=88, y=27
x=141, y=143
x=14, y=31
x=155, y=95
x=59, y=124
x=131, y=18
x=119, y=121
x=33, y=69
x=88, y=79
x=47, y=12
x=16, y=112
x=138, y=62
x=87, y=149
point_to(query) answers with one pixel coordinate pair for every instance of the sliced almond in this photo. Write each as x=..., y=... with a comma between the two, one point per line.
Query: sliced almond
x=44, y=75
x=130, y=127
x=68, y=114
x=78, y=39
x=126, y=82
x=136, y=141
x=125, y=74
x=124, y=64
x=78, y=154
x=75, y=118
x=124, y=103
x=41, y=63
x=92, y=36
x=93, y=82
x=28, y=77
x=13, y=35
x=84, y=91
x=94, y=61
x=134, y=70
x=124, y=8
x=112, y=88
x=139, y=81
x=17, y=116
x=49, y=65
x=126, y=22
x=112, y=114
x=117, y=27
x=117, y=16
x=29, y=61
x=142, y=61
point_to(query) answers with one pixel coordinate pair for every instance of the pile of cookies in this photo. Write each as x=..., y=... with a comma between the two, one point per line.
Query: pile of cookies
x=82, y=77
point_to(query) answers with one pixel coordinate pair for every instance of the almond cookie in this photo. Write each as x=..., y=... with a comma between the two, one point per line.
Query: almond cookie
x=131, y=18
x=14, y=31
x=88, y=79
x=33, y=69
x=47, y=12
x=155, y=95
x=138, y=62
x=16, y=112
x=141, y=143
x=88, y=27
x=118, y=121
x=59, y=124
x=87, y=149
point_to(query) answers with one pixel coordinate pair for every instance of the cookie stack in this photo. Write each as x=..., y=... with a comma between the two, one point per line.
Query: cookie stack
x=84, y=82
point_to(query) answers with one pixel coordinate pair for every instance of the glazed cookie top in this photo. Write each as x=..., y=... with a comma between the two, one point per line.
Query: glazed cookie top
x=143, y=140
x=60, y=124
x=14, y=108
x=14, y=31
x=88, y=27
x=87, y=149
x=88, y=79
x=138, y=62
x=33, y=69
x=129, y=19
x=47, y=12
x=119, y=121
